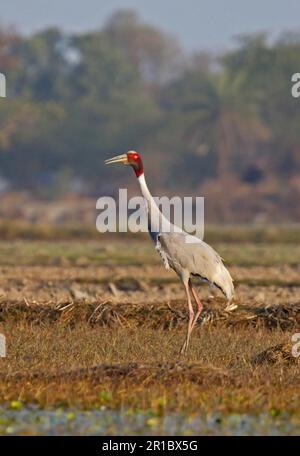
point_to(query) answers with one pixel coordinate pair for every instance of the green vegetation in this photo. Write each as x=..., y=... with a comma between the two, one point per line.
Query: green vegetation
x=226, y=121
x=135, y=252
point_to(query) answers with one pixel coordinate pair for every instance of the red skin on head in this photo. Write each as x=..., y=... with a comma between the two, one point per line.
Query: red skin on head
x=135, y=161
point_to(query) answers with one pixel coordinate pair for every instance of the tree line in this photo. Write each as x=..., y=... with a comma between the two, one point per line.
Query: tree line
x=203, y=122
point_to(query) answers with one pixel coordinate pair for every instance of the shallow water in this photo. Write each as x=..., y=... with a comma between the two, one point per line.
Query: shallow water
x=35, y=421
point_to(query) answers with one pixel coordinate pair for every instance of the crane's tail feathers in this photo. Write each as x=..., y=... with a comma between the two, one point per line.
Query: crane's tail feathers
x=230, y=307
x=223, y=280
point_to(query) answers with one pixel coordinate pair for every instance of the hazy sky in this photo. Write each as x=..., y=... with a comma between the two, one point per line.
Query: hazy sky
x=198, y=23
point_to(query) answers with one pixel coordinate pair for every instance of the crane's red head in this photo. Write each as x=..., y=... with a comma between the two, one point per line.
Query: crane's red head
x=132, y=158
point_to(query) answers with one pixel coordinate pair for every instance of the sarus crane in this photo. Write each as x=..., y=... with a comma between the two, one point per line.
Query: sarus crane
x=187, y=255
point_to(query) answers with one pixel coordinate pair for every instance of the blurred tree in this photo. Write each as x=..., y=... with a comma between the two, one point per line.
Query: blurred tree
x=74, y=99
x=42, y=66
x=158, y=56
x=267, y=74
x=216, y=121
x=8, y=39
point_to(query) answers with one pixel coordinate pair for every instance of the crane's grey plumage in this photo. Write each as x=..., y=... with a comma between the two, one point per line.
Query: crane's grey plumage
x=194, y=258
x=187, y=255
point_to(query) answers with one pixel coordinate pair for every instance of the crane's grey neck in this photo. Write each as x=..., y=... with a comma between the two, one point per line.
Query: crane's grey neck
x=157, y=222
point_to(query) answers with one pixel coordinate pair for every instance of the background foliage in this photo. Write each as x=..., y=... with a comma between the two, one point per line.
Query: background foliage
x=222, y=126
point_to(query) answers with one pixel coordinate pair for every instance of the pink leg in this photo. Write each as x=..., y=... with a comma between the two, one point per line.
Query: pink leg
x=199, y=305
x=191, y=318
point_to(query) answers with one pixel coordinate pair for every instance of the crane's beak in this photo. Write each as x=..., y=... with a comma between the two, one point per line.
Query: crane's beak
x=118, y=159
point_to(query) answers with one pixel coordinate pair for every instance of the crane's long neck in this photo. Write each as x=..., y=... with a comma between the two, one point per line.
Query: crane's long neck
x=157, y=222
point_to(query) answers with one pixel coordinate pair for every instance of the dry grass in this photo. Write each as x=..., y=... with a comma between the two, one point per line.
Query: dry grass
x=86, y=325
x=155, y=315
x=71, y=358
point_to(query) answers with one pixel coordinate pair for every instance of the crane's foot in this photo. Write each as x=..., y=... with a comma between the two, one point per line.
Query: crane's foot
x=184, y=348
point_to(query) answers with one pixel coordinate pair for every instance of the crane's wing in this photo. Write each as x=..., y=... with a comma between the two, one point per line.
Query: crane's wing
x=197, y=257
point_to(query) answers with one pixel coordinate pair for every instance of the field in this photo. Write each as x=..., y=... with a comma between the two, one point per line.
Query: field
x=94, y=326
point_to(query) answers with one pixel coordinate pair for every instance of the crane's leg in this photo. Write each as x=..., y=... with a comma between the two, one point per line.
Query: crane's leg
x=199, y=305
x=185, y=345
x=192, y=320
